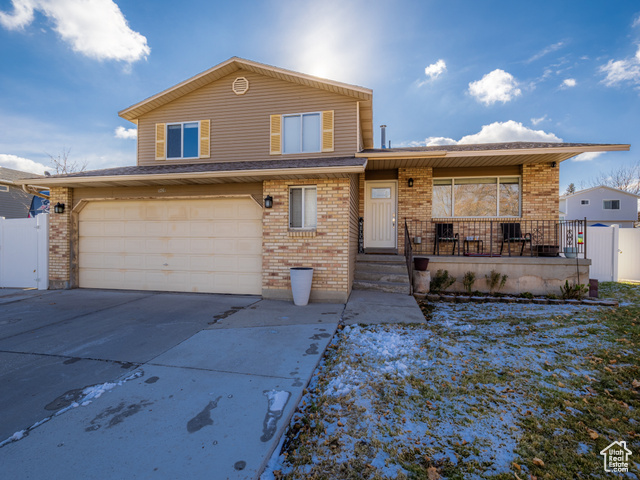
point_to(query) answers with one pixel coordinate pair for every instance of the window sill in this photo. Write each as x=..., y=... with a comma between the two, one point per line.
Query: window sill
x=298, y=232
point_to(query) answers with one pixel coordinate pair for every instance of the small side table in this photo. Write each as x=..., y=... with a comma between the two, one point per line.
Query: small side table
x=467, y=243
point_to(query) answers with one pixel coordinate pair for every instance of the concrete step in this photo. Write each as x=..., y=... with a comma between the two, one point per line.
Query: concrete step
x=380, y=258
x=382, y=276
x=388, y=287
x=381, y=267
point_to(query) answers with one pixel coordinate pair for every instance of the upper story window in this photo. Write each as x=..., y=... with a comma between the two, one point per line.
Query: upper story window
x=584, y=202
x=302, y=133
x=611, y=204
x=183, y=140
x=4, y=188
x=476, y=197
x=303, y=207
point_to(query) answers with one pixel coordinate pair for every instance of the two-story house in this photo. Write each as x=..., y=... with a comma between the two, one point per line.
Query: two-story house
x=601, y=204
x=246, y=170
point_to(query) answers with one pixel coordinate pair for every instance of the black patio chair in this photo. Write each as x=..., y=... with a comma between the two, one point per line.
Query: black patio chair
x=512, y=233
x=444, y=233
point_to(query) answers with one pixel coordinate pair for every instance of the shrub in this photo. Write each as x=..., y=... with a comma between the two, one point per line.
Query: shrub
x=495, y=281
x=528, y=295
x=576, y=291
x=468, y=280
x=441, y=281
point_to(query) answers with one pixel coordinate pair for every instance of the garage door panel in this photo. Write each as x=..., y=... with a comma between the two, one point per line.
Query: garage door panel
x=203, y=245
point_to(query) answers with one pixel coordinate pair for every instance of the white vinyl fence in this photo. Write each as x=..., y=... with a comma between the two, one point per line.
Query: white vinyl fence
x=614, y=253
x=24, y=252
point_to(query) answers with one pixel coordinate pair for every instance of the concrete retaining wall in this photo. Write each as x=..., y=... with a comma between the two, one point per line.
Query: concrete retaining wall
x=537, y=275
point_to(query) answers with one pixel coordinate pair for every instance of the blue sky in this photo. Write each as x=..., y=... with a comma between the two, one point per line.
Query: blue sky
x=441, y=71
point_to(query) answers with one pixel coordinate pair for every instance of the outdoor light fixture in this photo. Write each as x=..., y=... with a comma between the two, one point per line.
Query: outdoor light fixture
x=268, y=201
x=58, y=208
x=410, y=183
x=553, y=164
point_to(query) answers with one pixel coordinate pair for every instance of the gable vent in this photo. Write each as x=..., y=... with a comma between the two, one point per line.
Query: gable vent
x=240, y=86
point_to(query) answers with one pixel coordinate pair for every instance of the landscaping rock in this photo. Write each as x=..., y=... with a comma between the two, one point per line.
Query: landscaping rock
x=433, y=297
x=608, y=303
x=541, y=301
x=589, y=302
x=462, y=299
x=572, y=302
x=555, y=301
x=478, y=299
x=523, y=300
x=448, y=298
x=507, y=300
x=492, y=299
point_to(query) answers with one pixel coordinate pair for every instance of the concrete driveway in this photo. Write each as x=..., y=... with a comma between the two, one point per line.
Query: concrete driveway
x=141, y=384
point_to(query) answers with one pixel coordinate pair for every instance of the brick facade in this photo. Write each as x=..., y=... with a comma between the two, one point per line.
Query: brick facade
x=327, y=249
x=540, y=192
x=60, y=227
x=414, y=203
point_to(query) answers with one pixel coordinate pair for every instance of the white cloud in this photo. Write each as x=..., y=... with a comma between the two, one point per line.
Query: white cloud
x=23, y=164
x=431, y=141
x=622, y=71
x=95, y=28
x=536, y=121
x=498, y=132
x=586, y=157
x=496, y=86
x=545, y=51
x=435, y=69
x=636, y=22
x=569, y=83
x=126, y=133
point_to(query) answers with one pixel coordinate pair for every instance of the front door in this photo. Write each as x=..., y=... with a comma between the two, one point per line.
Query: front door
x=380, y=222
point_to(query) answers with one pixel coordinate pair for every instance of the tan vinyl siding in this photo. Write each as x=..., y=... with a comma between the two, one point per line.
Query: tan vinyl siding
x=240, y=124
x=172, y=191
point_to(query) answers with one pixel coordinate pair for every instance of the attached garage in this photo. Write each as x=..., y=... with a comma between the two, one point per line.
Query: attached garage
x=209, y=245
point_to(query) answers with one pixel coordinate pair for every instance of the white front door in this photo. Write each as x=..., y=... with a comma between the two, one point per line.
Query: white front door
x=380, y=222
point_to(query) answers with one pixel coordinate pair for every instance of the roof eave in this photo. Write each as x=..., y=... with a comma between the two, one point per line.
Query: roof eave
x=157, y=178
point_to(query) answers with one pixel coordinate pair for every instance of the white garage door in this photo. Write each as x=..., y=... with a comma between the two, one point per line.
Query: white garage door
x=203, y=245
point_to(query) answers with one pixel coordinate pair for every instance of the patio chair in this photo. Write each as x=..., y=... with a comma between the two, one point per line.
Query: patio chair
x=444, y=233
x=512, y=233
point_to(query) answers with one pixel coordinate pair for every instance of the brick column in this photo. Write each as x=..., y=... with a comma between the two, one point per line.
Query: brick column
x=540, y=192
x=60, y=239
x=414, y=203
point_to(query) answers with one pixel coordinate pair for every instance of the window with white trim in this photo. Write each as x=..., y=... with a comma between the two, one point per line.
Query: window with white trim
x=183, y=140
x=584, y=202
x=4, y=188
x=301, y=133
x=476, y=197
x=611, y=204
x=303, y=207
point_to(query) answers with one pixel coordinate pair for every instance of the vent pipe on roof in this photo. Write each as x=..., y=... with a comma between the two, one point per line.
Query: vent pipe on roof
x=383, y=135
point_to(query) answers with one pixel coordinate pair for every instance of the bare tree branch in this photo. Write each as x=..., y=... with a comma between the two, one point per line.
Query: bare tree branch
x=62, y=164
x=625, y=178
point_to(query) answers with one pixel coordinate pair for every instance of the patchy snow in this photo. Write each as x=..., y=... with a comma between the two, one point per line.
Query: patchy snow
x=450, y=392
x=88, y=395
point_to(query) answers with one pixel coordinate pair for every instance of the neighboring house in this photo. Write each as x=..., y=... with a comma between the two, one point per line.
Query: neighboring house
x=14, y=201
x=601, y=204
x=246, y=170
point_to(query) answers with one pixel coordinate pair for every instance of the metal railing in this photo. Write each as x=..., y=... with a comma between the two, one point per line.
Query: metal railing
x=408, y=256
x=499, y=237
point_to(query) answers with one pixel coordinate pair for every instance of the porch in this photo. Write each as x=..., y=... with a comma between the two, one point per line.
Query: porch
x=537, y=256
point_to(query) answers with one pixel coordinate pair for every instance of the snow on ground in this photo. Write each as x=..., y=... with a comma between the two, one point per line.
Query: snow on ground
x=392, y=401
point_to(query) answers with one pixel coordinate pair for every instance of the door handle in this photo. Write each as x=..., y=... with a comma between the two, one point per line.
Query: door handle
x=393, y=221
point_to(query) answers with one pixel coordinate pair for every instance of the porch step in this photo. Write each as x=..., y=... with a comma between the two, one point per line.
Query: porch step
x=399, y=268
x=381, y=276
x=380, y=258
x=382, y=273
x=388, y=287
